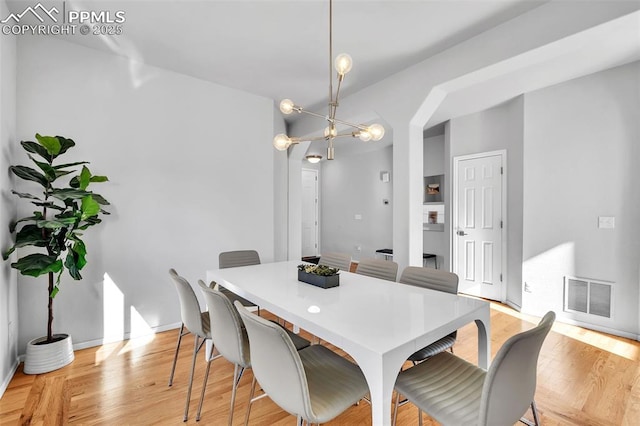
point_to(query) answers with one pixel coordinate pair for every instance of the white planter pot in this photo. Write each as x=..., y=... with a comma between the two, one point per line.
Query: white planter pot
x=45, y=357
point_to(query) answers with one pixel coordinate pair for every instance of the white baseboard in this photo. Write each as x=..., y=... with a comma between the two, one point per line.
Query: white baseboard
x=6, y=380
x=589, y=326
x=513, y=305
x=127, y=336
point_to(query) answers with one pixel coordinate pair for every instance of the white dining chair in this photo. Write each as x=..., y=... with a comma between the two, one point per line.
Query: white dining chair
x=341, y=261
x=455, y=392
x=378, y=268
x=197, y=322
x=314, y=384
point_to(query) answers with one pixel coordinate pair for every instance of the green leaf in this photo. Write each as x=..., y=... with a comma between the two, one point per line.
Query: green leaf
x=30, y=235
x=89, y=207
x=47, y=204
x=36, y=148
x=85, y=177
x=74, y=182
x=64, y=166
x=100, y=199
x=76, y=259
x=60, y=173
x=6, y=254
x=26, y=195
x=36, y=216
x=96, y=179
x=93, y=220
x=69, y=194
x=37, y=264
x=49, y=171
x=55, y=291
x=65, y=144
x=27, y=173
x=50, y=143
x=57, y=223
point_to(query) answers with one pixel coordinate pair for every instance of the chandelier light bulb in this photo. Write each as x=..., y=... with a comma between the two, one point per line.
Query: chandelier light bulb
x=343, y=63
x=364, y=135
x=286, y=106
x=376, y=131
x=281, y=142
x=330, y=131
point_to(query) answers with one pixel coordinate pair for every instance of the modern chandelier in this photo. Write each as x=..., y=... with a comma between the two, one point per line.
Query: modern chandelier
x=365, y=133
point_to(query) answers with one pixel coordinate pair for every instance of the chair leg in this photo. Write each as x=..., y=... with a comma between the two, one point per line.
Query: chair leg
x=193, y=367
x=395, y=409
x=237, y=375
x=204, y=383
x=536, y=418
x=175, y=356
x=419, y=417
x=253, y=391
x=534, y=410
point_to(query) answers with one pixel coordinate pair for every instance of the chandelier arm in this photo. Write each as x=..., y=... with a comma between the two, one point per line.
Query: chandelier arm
x=335, y=100
x=357, y=126
x=312, y=139
x=315, y=114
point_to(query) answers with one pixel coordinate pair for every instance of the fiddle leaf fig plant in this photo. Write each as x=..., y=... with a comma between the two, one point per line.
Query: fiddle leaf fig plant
x=63, y=212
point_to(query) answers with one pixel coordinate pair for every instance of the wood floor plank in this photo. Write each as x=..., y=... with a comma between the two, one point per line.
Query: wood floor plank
x=584, y=378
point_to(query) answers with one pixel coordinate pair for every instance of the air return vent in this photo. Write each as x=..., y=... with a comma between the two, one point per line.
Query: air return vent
x=588, y=296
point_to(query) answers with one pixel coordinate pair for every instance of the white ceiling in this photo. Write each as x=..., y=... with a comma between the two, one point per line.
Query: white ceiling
x=279, y=49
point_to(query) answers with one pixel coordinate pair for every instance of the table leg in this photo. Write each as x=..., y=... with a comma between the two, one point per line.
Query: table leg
x=484, y=340
x=381, y=377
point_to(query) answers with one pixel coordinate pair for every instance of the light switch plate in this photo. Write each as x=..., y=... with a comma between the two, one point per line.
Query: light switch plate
x=358, y=217
x=606, y=222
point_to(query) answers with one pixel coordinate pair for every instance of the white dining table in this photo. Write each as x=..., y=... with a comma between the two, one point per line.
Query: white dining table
x=378, y=323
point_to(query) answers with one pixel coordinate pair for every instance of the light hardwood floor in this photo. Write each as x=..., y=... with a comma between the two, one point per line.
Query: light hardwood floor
x=584, y=378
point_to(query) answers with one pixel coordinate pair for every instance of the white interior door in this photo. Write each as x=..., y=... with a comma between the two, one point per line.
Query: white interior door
x=478, y=224
x=309, y=212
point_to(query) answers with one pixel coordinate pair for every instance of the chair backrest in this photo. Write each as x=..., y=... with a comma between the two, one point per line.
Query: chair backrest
x=434, y=279
x=189, y=305
x=227, y=329
x=341, y=261
x=276, y=364
x=378, y=268
x=233, y=259
x=510, y=383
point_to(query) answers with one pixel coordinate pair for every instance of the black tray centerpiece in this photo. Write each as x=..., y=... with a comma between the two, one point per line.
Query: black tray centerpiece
x=319, y=275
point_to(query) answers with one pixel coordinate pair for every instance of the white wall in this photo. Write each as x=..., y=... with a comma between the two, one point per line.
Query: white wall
x=280, y=184
x=581, y=160
x=351, y=185
x=188, y=180
x=490, y=130
x=8, y=281
x=434, y=164
x=399, y=99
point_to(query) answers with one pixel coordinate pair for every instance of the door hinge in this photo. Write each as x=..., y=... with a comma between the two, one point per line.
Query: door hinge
x=501, y=224
x=501, y=170
x=500, y=277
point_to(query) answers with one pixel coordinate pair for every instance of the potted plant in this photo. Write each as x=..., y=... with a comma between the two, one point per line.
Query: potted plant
x=319, y=275
x=55, y=231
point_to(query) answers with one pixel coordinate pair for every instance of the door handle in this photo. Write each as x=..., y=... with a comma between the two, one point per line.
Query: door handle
x=461, y=233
